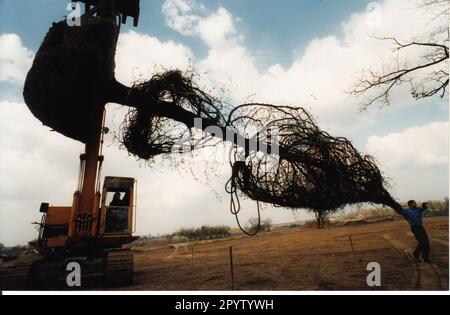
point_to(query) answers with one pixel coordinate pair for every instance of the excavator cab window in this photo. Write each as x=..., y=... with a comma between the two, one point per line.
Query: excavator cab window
x=117, y=205
x=117, y=212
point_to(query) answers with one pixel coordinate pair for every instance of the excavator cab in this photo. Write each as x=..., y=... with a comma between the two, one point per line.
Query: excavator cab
x=116, y=215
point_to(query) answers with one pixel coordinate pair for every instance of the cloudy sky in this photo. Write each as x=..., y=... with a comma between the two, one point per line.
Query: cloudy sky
x=299, y=53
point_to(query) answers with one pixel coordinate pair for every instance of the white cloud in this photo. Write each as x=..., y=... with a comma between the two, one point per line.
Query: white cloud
x=183, y=15
x=36, y=165
x=191, y=18
x=216, y=28
x=416, y=159
x=15, y=59
x=138, y=55
x=418, y=147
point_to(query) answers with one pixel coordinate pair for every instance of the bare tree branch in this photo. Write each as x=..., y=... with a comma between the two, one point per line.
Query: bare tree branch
x=434, y=58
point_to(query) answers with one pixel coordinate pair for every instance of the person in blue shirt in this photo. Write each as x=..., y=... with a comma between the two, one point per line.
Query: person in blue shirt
x=413, y=215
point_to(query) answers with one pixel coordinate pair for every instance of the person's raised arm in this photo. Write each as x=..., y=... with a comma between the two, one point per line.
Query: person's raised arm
x=424, y=207
x=399, y=210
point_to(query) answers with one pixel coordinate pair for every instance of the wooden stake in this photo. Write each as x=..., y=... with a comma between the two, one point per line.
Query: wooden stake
x=192, y=254
x=351, y=242
x=231, y=268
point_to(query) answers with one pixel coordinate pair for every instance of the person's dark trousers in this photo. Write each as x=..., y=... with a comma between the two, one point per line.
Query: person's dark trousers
x=424, y=244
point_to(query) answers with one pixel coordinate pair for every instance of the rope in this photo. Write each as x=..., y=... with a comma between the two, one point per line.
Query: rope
x=235, y=206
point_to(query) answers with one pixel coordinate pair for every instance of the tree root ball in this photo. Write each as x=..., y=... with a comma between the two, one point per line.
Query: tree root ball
x=70, y=80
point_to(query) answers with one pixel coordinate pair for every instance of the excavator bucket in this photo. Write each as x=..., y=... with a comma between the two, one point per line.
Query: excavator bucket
x=126, y=8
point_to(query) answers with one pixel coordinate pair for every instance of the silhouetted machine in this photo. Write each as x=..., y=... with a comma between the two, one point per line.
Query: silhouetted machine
x=94, y=228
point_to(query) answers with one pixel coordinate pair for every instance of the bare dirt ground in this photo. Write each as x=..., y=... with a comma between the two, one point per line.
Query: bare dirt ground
x=299, y=259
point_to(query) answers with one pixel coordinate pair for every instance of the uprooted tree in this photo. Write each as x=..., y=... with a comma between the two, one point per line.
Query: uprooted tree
x=72, y=78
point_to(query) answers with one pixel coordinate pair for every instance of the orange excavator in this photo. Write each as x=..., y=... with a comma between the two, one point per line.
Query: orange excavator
x=93, y=230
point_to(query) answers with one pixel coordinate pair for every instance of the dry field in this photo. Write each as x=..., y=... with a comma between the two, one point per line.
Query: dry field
x=298, y=259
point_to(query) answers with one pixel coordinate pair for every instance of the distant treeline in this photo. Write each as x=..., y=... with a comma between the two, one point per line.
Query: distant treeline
x=263, y=226
x=436, y=213
x=207, y=232
x=204, y=233
x=438, y=205
x=437, y=208
x=12, y=250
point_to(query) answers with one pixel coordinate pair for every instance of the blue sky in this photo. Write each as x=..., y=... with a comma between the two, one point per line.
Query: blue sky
x=290, y=52
x=297, y=22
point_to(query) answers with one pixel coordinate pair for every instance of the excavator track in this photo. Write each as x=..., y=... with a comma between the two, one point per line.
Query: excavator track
x=16, y=274
x=21, y=273
x=119, y=268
